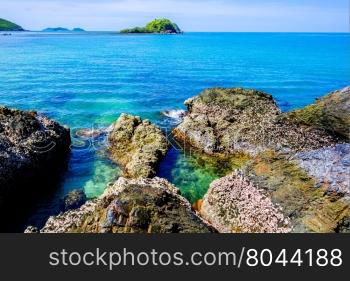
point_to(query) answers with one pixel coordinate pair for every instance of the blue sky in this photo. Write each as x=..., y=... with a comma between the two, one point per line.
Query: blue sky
x=191, y=15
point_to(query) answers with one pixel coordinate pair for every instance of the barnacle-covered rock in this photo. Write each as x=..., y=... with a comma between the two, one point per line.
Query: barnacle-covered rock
x=310, y=204
x=234, y=204
x=133, y=206
x=224, y=120
x=331, y=113
x=137, y=146
x=329, y=166
x=272, y=194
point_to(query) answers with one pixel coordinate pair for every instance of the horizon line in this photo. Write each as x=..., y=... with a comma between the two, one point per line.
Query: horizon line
x=190, y=31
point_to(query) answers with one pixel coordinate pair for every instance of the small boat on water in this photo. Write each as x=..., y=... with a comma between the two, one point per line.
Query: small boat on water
x=6, y=34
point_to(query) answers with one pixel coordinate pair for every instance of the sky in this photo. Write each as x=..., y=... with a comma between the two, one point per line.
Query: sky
x=190, y=15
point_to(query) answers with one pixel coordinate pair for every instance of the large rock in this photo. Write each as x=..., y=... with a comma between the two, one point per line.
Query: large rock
x=298, y=170
x=331, y=113
x=137, y=146
x=229, y=120
x=31, y=147
x=234, y=204
x=132, y=206
x=272, y=194
x=307, y=202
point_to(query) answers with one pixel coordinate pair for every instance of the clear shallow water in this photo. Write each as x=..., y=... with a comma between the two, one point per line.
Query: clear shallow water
x=88, y=79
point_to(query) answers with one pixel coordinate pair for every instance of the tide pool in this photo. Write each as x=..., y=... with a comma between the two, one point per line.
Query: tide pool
x=86, y=80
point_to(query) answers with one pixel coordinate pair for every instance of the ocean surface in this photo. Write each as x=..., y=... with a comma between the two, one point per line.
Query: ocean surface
x=85, y=80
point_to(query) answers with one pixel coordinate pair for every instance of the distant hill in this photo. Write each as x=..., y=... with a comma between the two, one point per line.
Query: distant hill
x=157, y=26
x=77, y=29
x=62, y=29
x=6, y=25
x=55, y=29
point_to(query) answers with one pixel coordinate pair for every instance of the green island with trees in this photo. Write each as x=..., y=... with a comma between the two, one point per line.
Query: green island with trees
x=157, y=26
x=6, y=25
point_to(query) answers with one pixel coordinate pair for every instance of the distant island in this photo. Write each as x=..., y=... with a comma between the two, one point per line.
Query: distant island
x=62, y=29
x=78, y=29
x=6, y=25
x=157, y=26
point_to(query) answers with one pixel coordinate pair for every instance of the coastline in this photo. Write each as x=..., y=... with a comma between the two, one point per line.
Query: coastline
x=67, y=88
x=271, y=171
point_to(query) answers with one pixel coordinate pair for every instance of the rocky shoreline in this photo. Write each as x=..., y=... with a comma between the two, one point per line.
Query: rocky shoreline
x=131, y=206
x=295, y=177
x=230, y=120
x=302, y=167
x=32, y=147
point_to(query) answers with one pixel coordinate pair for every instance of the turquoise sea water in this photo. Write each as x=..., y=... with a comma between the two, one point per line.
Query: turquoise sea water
x=86, y=80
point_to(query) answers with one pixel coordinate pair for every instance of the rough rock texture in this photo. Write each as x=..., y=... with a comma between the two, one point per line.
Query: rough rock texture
x=32, y=229
x=309, y=206
x=132, y=206
x=299, y=164
x=234, y=204
x=330, y=166
x=228, y=120
x=137, y=145
x=331, y=113
x=73, y=200
x=30, y=146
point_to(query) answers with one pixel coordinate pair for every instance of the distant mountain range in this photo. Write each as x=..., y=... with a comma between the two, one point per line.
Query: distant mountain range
x=62, y=29
x=6, y=25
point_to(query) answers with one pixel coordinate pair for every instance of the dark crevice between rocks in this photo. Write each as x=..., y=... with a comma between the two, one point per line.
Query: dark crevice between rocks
x=30, y=190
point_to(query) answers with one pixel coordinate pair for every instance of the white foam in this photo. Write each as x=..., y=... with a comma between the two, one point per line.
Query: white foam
x=176, y=114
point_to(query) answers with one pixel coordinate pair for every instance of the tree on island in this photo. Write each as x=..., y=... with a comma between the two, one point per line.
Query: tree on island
x=6, y=25
x=157, y=26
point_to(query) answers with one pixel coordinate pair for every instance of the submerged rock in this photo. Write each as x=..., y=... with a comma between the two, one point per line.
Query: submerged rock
x=89, y=133
x=73, y=200
x=31, y=147
x=229, y=120
x=234, y=204
x=331, y=113
x=133, y=206
x=137, y=146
